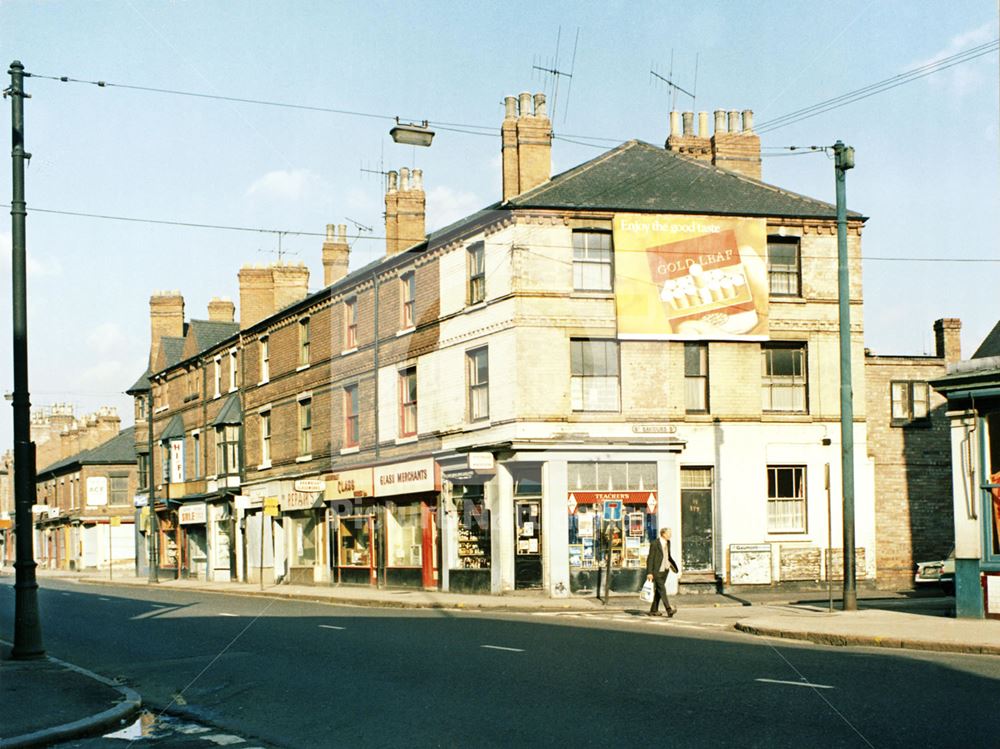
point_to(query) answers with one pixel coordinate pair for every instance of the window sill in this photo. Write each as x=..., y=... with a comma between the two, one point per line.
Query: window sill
x=922, y=423
x=778, y=298
x=217, y=395
x=264, y=381
x=350, y=450
x=798, y=416
x=347, y=351
x=301, y=367
x=233, y=390
x=474, y=426
x=593, y=293
x=778, y=535
x=264, y=466
x=304, y=458
x=406, y=440
x=474, y=306
x=405, y=331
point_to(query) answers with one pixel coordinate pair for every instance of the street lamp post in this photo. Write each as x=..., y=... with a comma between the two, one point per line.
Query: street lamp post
x=27, y=623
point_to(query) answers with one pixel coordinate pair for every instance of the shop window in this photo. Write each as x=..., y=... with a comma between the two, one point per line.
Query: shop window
x=408, y=295
x=305, y=426
x=404, y=535
x=479, y=384
x=265, y=438
x=591, y=261
x=355, y=541
x=477, y=272
x=304, y=530
x=351, y=323
x=635, y=529
x=408, y=402
x=304, y=342
x=227, y=449
x=910, y=401
x=351, y=415
x=473, y=551
x=696, y=377
x=234, y=370
x=594, y=367
x=783, y=378
x=992, y=485
x=786, y=499
x=265, y=359
x=783, y=269
x=118, y=491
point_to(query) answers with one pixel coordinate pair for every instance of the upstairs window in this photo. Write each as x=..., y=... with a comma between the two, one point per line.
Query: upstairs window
x=783, y=378
x=351, y=410
x=910, y=401
x=696, y=377
x=265, y=438
x=234, y=370
x=408, y=402
x=304, y=342
x=118, y=491
x=408, y=295
x=479, y=384
x=218, y=377
x=265, y=359
x=783, y=269
x=351, y=323
x=591, y=261
x=227, y=449
x=305, y=426
x=477, y=272
x=594, y=379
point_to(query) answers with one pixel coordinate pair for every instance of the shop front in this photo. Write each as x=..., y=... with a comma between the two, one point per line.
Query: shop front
x=219, y=528
x=352, y=526
x=304, y=521
x=192, y=533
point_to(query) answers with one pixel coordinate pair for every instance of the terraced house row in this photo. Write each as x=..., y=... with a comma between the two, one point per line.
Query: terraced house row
x=520, y=400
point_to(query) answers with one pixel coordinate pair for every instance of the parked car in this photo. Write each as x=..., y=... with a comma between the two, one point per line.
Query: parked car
x=941, y=571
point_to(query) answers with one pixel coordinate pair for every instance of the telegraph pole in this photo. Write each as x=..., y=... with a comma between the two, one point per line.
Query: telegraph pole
x=843, y=159
x=153, y=536
x=27, y=623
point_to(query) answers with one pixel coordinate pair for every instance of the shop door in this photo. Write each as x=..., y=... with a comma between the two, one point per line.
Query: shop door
x=528, y=544
x=696, y=520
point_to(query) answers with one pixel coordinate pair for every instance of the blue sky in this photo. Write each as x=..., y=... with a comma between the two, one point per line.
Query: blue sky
x=927, y=152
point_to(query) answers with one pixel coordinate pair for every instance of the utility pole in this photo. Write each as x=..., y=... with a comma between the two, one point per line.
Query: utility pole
x=154, y=535
x=843, y=159
x=27, y=623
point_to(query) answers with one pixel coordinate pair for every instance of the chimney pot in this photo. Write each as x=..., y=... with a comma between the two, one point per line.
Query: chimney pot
x=688, y=119
x=393, y=177
x=524, y=105
x=418, y=179
x=510, y=107
x=747, y=120
x=703, y=124
x=342, y=233
x=720, y=121
x=675, y=122
x=540, y=105
x=734, y=121
x=404, y=179
x=330, y=232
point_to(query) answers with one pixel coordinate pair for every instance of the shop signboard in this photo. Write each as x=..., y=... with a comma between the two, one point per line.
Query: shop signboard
x=271, y=506
x=481, y=461
x=624, y=497
x=749, y=564
x=116, y=521
x=350, y=484
x=177, y=461
x=309, y=485
x=97, y=491
x=294, y=500
x=690, y=277
x=192, y=514
x=406, y=478
x=613, y=510
x=140, y=500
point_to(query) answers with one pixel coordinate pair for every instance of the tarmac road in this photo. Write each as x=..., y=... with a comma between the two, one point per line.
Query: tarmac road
x=300, y=674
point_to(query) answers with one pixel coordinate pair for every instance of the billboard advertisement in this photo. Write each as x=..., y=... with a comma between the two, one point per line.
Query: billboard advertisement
x=690, y=277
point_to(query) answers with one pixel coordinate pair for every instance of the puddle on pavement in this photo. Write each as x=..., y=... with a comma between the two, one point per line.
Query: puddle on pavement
x=150, y=726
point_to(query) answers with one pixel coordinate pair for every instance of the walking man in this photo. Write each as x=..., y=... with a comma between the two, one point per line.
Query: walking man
x=659, y=564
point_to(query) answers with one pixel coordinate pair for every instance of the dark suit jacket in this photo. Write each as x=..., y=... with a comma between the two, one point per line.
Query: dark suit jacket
x=655, y=558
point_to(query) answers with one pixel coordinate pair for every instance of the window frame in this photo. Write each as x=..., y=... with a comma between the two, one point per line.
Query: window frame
x=769, y=381
x=305, y=339
x=909, y=402
x=407, y=300
x=785, y=271
x=234, y=370
x=702, y=376
x=585, y=261
x=350, y=323
x=264, y=353
x=352, y=411
x=227, y=445
x=408, y=405
x=304, y=411
x=196, y=454
x=122, y=491
x=803, y=499
x=218, y=377
x=476, y=267
x=583, y=376
x=474, y=386
x=265, y=438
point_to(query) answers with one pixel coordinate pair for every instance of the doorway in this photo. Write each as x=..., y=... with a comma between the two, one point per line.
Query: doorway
x=697, y=541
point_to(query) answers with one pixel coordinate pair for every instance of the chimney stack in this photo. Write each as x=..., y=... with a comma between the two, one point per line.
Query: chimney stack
x=221, y=309
x=264, y=289
x=166, y=320
x=526, y=144
x=948, y=339
x=291, y=283
x=736, y=148
x=686, y=141
x=336, y=254
x=405, y=211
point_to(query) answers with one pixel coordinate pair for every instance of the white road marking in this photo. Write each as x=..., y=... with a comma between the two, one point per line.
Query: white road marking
x=102, y=598
x=64, y=594
x=796, y=683
x=156, y=606
x=330, y=626
x=223, y=613
x=222, y=739
x=500, y=647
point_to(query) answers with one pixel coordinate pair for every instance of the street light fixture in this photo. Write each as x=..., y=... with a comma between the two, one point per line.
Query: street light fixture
x=412, y=134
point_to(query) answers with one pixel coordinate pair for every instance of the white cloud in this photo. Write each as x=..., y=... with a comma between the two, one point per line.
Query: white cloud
x=293, y=185
x=445, y=205
x=37, y=265
x=106, y=376
x=106, y=338
x=967, y=76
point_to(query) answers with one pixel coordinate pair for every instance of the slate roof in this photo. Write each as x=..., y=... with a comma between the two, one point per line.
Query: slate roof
x=174, y=428
x=231, y=412
x=638, y=176
x=172, y=350
x=208, y=333
x=118, y=449
x=141, y=385
x=990, y=345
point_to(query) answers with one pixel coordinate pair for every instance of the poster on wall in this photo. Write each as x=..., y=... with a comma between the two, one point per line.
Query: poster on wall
x=690, y=277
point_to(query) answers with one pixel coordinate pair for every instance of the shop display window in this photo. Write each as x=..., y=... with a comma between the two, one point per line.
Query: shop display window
x=405, y=535
x=355, y=541
x=303, y=551
x=473, y=527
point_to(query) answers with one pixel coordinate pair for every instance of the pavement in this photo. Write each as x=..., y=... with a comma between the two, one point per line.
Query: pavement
x=46, y=700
